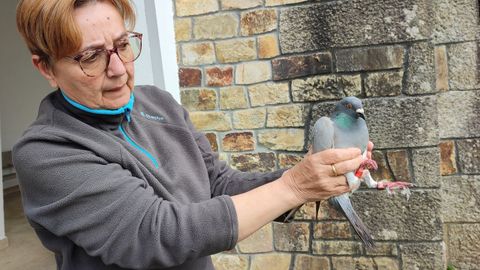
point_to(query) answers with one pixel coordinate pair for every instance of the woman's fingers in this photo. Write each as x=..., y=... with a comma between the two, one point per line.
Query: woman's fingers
x=346, y=166
x=333, y=156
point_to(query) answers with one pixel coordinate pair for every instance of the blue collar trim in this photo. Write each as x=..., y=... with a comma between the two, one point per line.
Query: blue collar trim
x=124, y=109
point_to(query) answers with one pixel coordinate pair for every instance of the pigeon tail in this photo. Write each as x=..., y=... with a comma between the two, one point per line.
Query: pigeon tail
x=362, y=231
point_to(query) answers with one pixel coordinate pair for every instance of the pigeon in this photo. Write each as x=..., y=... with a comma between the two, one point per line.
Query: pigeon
x=346, y=128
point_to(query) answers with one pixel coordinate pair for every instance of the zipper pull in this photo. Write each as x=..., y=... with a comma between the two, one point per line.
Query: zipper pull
x=127, y=115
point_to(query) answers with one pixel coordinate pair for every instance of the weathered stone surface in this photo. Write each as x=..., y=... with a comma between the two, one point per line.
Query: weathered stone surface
x=268, y=46
x=387, y=263
x=183, y=29
x=454, y=21
x=240, y=141
x=219, y=76
x=230, y=262
x=458, y=114
x=383, y=84
x=236, y=50
x=463, y=242
x=383, y=249
x=461, y=196
x=469, y=156
x=441, y=68
x=373, y=58
x=222, y=25
x=359, y=263
x=280, y=261
x=288, y=160
x=217, y=121
x=402, y=122
x=353, y=23
x=398, y=223
x=235, y=4
x=260, y=241
x=335, y=247
x=190, y=77
x=423, y=256
x=249, y=119
x=258, y=162
x=212, y=138
x=253, y=72
x=463, y=62
x=258, y=21
x=188, y=8
x=448, y=163
x=421, y=69
x=281, y=3
x=282, y=139
x=332, y=230
x=291, y=236
x=233, y=98
x=294, y=115
x=326, y=87
x=199, y=99
x=426, y=171
x=299, y=66
x=383, y=172
x=198, y=53
x=304, y=262
x=269, y=94
x=400, y=165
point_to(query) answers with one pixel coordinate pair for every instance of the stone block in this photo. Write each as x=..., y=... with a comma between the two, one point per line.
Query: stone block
x=230, y=262
x=280, y=261
x=355, y=23
x=239, y=141
x=183, y=29
x=441, y=68
x=359, y=263
x=235, y=4
x=383, y=172
x=282, y=139
x=269, y=94
x=469, y=156
x=288, y=160
x=458, y=114
x=448, y=163
x=215, y=121
x=258, y=21
x=400, y=165
x=219, y=76
x=305, y=262
x=332, y=230
x=416, y=218
x=336, y=247
x=199, y=53
x=287, y=115
x=258, y=162
x=372, y=58
x=387, y=263
x=463, y=242
x=461, y=195
x=423, y=255
x=236, y=50
x=190, y=77
x=269, y=3
x=233, y=98
x=402, y=122
x=260, y=241
x=306, y=212
x=268, y=46
x=421, y=69
x=463, y=63
x=326, y=87
x=300, y=66
x=212, y=138
x=199, y=99
x=383, y=249
x=426, y=171
x=253, y=72
x=197, y=7
x=293, y=236
x=454, y=21
x=383, y=84
x=328, y=212
x=249, y=119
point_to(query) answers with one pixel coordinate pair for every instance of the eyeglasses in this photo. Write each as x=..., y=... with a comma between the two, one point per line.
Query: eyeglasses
x=95, y=61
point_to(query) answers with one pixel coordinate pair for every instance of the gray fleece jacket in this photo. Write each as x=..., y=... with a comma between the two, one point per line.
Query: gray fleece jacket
x=134, y=188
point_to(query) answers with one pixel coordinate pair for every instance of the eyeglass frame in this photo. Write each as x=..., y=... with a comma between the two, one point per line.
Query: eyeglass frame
x=109, y=53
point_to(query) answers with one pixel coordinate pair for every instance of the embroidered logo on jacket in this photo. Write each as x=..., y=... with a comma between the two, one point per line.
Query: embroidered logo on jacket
x=153, y=117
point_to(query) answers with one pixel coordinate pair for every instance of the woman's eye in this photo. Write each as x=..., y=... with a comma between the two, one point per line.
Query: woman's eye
x=90, y=57
x=123, y=45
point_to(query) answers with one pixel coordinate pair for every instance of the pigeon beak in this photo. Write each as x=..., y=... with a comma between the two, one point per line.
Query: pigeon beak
x=360, y=113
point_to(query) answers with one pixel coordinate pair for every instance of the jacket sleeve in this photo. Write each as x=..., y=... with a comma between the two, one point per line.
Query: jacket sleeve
x=102, y=208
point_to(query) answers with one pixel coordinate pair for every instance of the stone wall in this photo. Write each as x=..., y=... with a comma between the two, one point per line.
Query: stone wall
x=256, y=74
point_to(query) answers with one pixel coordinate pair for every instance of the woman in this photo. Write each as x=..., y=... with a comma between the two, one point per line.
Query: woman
x=115, y=176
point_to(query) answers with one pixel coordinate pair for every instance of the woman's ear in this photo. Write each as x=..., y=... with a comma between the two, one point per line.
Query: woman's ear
x=45, y=70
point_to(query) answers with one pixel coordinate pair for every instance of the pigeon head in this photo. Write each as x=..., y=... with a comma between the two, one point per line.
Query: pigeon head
x=351, y=106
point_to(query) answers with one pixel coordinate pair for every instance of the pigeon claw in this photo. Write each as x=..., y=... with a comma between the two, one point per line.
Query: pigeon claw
x=369, y=164
x=393, y=185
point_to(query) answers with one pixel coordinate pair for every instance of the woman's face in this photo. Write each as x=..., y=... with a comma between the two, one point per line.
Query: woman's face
x=101, y=26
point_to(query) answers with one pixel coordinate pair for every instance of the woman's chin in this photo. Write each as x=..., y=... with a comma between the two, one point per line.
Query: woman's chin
x=114, y=99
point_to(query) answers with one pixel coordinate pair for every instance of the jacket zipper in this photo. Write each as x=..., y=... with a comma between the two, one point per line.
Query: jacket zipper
x=134, y=144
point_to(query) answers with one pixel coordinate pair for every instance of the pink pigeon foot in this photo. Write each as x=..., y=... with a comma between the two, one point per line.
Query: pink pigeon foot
x=368, y=164
x=393, y=185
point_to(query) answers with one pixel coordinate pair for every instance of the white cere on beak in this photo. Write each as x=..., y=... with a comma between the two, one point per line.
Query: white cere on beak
x=360, y=111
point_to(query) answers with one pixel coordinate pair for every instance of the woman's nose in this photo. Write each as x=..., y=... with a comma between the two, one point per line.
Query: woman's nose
x=115, y=66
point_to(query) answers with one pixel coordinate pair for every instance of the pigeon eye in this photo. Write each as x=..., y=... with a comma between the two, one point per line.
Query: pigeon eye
x=349, y=106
